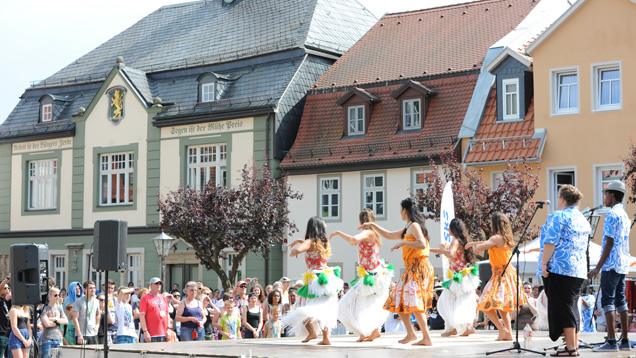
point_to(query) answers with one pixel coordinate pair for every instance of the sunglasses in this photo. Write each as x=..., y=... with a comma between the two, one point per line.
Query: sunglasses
x=102, y=299
x=243, y=286
x=177, y=296
x=55, y=295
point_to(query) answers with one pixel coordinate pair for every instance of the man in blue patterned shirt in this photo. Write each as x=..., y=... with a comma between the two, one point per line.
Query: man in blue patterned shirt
x=614, y=263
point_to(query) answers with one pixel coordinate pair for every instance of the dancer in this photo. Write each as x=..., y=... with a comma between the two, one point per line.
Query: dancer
x=360, y=309
x=500, y=293
x=457, y=304
x=414, y=292
x=318, y=310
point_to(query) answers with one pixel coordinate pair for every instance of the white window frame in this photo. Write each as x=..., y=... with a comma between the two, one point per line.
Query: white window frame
x=419, y=187
x=358, y=120
x=207, y=92
x=106, y=169
x=496, y=179
x=88, y=273
x=54, y=270
x=47, y=112
x=329, y=193
x=552, y=185
x=598, y=182
x=200, y=159
x=596, y=69
x=416, y=117
x=42, y=184
x=375, y=204
x=504, y=98
x=132, y=272
x=555, y=90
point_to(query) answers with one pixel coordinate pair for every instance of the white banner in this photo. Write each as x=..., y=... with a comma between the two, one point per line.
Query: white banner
x=447, y=213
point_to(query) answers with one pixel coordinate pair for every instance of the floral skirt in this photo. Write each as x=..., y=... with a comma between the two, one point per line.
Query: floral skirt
x=414, y=290
x=500, y=293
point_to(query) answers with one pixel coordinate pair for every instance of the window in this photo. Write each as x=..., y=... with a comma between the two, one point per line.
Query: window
x=42, y=189
x=59, y=270
x=356, y=120
x=207, y=164
x=134, y=270
x=419, y=184
x=116, y=178
x=497, y=180
x=97, y=277
x=605, y=174
x=607, y=87
x=510, y=95
x=329, y=196
x=47, y=112
x=207, y=92
x=565, y=91
x=373, y=193
x=411, y=114
x=559, y=178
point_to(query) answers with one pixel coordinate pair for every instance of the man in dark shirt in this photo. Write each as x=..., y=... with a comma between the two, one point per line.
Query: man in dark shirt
x=5, y=306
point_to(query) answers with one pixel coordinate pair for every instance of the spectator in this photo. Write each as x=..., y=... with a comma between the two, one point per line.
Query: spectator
x=153, y=313
x=52, y=317
x=112, y=313
x=126, y=332
x=273, y=300
x=101, y=332
x=252, y=317
x=5, y=325
x=20, y=337
x=527, y=313
x=273, y=328
x=229, y=323
x=587, y=308
x=258, y=290
x=69, y=330
x=268, y=289
x=86, y=315
x=191, y=314
x=75, y=291
x=285, y=281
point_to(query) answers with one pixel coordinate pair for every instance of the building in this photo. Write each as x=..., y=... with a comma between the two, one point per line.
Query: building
x=391, y=104
x=187, y=95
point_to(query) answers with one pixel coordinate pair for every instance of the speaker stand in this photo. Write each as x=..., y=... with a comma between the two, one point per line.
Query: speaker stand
x=106, y=313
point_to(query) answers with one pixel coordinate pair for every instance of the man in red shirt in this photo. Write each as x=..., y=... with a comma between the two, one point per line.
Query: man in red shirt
x=153, y=313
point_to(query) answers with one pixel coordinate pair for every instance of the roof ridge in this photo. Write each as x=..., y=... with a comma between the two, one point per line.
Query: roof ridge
x=443, y=7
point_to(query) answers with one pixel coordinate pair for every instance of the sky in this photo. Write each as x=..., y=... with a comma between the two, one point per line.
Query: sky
x=40, y=37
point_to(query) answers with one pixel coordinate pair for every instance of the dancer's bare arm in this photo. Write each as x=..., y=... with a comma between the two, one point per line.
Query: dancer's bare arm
x=365, y=235
x=304, y=246
x=480, y=246
x=389, y=235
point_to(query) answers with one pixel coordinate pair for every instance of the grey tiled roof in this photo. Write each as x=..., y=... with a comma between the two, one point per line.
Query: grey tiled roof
x=205, y=32
x=139, y=81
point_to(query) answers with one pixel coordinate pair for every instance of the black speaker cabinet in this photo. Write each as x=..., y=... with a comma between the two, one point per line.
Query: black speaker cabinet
x=110, y=243
x=29, y=273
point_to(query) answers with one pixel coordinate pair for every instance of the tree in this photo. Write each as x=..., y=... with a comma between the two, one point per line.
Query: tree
x=630, y=173
x=247, y=218
x=475, y=201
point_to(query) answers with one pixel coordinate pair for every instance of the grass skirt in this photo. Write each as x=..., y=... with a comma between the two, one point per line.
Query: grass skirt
x=360, y=309
x=318, y=304
x=458, y=304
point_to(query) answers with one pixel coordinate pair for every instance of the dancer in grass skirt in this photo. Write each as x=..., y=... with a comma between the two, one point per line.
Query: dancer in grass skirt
x=360, y=309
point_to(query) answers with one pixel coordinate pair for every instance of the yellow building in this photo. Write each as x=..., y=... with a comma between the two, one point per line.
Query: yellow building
x=584, y=77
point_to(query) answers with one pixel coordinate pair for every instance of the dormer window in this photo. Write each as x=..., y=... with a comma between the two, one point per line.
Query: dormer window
x=411, y=114
x=47, y=112
x=510, y=99
x=414, y=98
x=356, y=120
x=358, y=105
x=207, y=92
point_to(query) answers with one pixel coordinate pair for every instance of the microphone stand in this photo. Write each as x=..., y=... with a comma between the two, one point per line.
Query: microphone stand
x=515, y=251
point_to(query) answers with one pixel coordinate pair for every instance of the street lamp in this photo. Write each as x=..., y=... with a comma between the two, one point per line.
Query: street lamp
x=163, y=243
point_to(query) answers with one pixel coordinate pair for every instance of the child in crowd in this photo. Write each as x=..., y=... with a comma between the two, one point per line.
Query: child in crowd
x=126, y=332
x=274, y=327
x=230, y=325
x=69, y=329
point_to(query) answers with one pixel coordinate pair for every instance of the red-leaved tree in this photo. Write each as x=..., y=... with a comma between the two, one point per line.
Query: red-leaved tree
x=250, y=217
x=475, y=201
x=630, y=173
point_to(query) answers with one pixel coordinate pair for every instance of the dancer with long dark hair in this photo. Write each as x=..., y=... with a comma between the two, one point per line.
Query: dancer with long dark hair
x=318, y=308
x=500, y=293
x=414, y=292
x=457, y=303
x=360, y=309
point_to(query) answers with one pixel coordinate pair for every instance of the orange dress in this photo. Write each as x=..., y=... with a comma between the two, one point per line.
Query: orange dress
x=500, y=293
x=414, y=290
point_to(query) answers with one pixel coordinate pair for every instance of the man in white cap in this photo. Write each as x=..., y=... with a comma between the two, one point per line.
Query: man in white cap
x=153, y=313
x=614, y=265
x=286, y=281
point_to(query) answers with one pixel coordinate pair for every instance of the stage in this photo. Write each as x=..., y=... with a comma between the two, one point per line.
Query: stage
x=343, y=346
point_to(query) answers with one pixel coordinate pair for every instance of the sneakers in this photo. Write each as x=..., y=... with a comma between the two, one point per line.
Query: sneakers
x=625, y=346
x=607, y=347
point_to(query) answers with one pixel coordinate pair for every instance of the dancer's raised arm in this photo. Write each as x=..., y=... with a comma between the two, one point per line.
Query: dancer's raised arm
x=448, y=252
x=389, y=235
x=495, y=240
x=304, y=246
x=365, y=235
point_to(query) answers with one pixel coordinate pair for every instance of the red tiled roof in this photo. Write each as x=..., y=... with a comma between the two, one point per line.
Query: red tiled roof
x=319, y=140
x=426, y=42
x=503, y=141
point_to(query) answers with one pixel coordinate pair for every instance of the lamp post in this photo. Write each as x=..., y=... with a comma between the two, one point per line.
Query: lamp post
x=163, y=243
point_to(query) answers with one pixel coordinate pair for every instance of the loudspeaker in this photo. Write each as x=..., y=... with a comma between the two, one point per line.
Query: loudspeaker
x=29, y=273
x=485, y=271
x=110, y=243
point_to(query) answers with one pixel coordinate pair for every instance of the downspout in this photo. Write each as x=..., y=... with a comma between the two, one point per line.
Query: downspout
x=267, y=139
